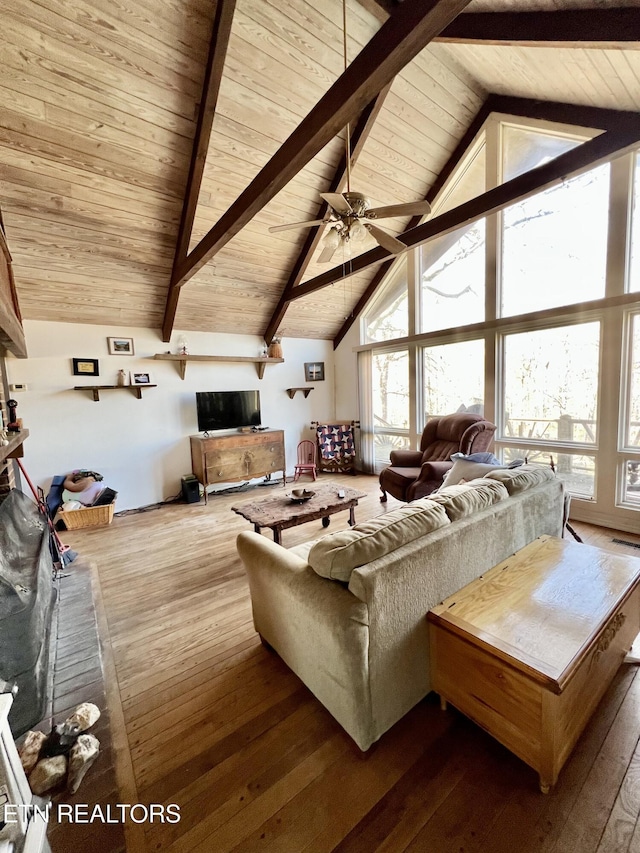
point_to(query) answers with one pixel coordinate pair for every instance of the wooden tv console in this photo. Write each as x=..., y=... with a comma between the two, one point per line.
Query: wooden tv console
x=241, y=456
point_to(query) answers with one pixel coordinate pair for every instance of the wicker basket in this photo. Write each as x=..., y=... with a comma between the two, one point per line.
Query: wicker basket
x=91, y=516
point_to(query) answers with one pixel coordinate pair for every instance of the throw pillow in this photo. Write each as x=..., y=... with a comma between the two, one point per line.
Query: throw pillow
x=464, y=470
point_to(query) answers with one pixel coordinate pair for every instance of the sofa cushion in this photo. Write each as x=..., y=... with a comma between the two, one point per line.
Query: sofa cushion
x=464, y=499
x=336, y=555
x=520, y=479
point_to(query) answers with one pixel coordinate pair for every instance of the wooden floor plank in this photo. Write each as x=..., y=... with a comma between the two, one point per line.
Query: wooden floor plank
x=588, y=818
x=533, y=822
x=622, y=821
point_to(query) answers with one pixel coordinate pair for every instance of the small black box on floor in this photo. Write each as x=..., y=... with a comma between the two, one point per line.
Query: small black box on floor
x=190, y=489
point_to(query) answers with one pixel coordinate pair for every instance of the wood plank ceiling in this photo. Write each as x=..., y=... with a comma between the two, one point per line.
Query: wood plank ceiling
x=99, y=104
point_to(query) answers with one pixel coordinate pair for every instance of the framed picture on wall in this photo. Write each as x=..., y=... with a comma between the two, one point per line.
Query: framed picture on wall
x=140, y=378
x=85, y=367
x=120, y=346
x=314, y=371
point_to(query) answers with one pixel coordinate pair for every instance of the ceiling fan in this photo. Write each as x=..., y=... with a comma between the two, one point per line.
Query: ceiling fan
x=350, y=212
x=350, y=218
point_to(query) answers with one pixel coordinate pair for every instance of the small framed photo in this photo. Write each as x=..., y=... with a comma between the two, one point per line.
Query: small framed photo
x=85, y=367
x=140, y=378
x=120, y=346
x=314, y=371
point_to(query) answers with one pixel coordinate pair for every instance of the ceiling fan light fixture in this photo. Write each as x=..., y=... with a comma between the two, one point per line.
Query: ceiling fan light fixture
x=357, y=231
x=332, y=240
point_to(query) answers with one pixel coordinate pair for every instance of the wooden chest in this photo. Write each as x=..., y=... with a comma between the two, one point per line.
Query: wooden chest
x=243, y=456
x=528, y=650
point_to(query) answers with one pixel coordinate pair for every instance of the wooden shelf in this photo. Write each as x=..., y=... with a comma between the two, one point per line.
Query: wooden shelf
x=181, y=360
x=13, y=450
x=306, y=391
x=96, y=389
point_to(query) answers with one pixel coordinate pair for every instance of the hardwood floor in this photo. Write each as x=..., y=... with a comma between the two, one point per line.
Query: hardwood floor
x=205, y=717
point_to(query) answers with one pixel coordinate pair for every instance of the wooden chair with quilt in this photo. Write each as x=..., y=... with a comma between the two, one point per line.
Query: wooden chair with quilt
x=336, y=447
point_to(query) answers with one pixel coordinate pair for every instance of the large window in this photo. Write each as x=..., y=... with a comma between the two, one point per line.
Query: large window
x=576, y=470
x=524, y=149
x=452, y=268
x=390, y=375
x=453, y=378
x=551, y=384
x=388, y=318
x=555, y=245
x=452, y=279
x=563, y=386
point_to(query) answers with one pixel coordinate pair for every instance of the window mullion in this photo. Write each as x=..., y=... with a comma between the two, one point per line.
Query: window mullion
x=620, y=201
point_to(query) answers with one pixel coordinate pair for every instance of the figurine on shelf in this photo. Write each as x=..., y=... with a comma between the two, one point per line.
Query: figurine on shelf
x=121, y=381
x=275, y=349
x=183, y=346
x=13, y=425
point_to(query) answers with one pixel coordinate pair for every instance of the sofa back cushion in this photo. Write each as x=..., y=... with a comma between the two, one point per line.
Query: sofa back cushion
x=336, y=555
x=520, y=479
x=466, y=498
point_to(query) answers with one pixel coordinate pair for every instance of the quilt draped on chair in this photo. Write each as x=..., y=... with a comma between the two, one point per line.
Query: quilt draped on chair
x=336, y=448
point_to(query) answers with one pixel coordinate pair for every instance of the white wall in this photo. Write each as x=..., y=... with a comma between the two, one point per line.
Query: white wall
x=346, y=371
x=142, y=446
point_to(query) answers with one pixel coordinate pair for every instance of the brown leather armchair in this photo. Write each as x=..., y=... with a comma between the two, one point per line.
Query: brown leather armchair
x=416, y=473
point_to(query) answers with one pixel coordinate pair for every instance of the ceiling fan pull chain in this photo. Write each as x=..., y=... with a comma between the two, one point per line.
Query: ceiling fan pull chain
x=344, y=53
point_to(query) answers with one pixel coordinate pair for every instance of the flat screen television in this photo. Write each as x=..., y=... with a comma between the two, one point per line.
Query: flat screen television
x=227, y=409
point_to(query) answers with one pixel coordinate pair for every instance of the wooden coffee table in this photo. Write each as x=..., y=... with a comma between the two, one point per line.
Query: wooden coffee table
x=279, y=512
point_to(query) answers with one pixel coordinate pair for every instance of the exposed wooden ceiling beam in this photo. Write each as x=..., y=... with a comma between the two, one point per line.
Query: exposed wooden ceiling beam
x=461, y=149
x=397, y=42
x=210, y=89
x=380, y=9
x=588, y=155
x=580, y=116
x=358, y=138
x=560, y=28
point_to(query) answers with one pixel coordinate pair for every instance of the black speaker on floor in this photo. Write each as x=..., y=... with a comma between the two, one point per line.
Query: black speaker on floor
x=190, y=489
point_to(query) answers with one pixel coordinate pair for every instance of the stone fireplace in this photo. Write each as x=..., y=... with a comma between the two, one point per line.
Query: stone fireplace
x=27, y=598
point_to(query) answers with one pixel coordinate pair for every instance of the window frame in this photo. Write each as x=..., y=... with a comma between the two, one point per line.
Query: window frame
x=610, y=451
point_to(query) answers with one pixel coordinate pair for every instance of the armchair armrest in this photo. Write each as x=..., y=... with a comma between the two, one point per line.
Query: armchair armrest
x=430, y=479
x=434, y=470
x=406, y=458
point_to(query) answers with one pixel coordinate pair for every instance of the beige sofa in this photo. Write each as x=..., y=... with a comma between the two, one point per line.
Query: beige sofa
x=347, y=612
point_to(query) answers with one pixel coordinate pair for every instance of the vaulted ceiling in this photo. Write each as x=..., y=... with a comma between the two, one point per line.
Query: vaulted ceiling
x=115, y=113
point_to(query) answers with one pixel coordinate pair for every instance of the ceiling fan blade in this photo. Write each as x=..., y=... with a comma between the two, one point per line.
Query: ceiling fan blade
x=327, y=254
x=413, y=208
x=385, y=240
x=338, y=202
x=275, y=228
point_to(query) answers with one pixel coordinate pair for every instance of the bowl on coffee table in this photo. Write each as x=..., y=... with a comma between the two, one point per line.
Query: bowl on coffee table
x=299, y=496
